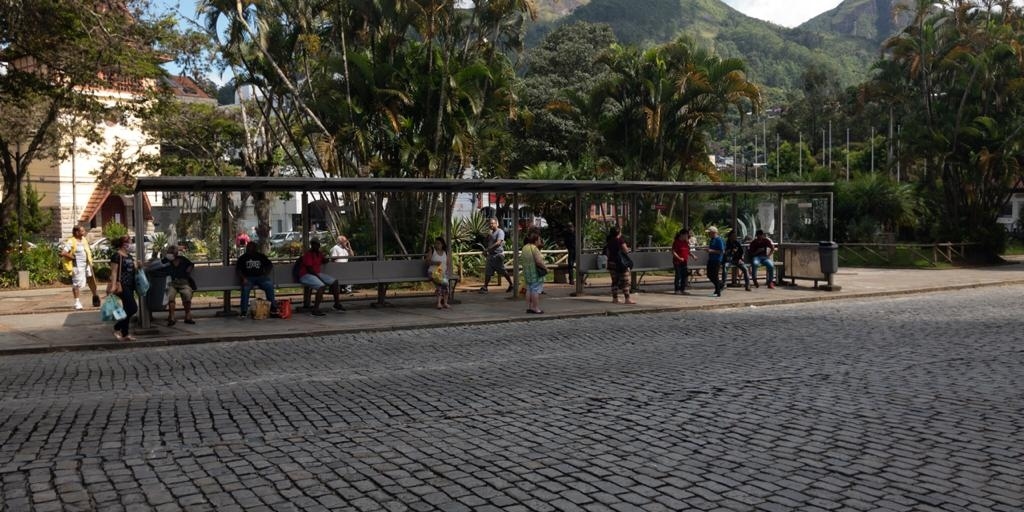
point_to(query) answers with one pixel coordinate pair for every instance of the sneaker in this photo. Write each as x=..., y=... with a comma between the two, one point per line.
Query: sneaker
x=243, y=315
x=483, y=289
x=338, y=306
x=756, y=285
x=95, y=301
x=78, y=304
x=747, y=287
x=317, y=312
x=509, y=289
x=771, y=286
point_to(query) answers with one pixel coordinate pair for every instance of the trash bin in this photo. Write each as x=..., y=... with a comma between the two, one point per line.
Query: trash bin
x=828, y=255
x=157, y=275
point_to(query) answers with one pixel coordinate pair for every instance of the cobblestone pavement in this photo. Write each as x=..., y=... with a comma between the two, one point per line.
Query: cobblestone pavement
x=910, y=403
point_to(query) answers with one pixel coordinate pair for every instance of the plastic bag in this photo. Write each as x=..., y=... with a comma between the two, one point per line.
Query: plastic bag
x=284, y=309
x=437, y=275
x=112, y=309
x=141, y=281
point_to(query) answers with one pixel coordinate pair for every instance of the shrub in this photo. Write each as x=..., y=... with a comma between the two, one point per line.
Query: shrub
x=42, y=264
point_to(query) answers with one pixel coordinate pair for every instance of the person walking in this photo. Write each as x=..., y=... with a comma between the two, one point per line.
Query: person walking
x=534, y=270
x=680, y=259
x=614, y=248
x=734, y=258
x=761, y=250
x=716, y=251
x=253, y=269
x=180, y=270
x=340, y=253
x=439, y=268
x=494, y=255
x=122, y=284
x=310, y=275
x=76, y=259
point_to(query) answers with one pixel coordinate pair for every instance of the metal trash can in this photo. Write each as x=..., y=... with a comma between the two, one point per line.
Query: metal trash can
x=828, y=256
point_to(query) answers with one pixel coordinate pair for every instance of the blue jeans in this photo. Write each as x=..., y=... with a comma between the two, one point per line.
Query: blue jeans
x=768, y=263
x=682, y=274
x=263, y=283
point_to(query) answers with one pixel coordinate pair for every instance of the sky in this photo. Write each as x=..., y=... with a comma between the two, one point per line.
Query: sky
x=788, y=13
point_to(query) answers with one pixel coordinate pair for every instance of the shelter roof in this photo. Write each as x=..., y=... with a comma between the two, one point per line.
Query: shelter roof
x=310, y=184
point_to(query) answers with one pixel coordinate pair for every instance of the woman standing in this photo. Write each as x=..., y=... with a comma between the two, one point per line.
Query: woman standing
x=439, y=262
x=122, y=284
x=534, y=270
x=615, y=246
x=680, y=258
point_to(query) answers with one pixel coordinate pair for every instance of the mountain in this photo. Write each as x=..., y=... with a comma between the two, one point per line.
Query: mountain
x=775, y=56
x=871, y=20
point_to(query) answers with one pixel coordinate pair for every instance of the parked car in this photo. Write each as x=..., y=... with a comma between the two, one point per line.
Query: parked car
x=102, y=245
x=279, y=239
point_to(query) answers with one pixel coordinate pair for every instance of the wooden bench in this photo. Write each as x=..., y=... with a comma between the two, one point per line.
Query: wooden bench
x=382, y=273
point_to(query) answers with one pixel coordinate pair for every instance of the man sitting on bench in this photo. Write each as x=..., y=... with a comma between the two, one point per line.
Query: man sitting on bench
x=311, y=276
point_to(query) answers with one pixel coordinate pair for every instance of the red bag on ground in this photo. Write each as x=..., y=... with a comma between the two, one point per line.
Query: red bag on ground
x=284, y=308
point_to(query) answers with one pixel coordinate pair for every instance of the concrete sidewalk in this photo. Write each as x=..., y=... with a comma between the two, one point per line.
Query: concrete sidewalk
x=34, y=321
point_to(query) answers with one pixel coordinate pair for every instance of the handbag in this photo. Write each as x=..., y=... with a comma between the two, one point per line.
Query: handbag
x=624, y=260
x=262, y=310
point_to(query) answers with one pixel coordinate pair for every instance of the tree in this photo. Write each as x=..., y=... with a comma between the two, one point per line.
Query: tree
x=54, y=54
x=954, y=76
x=559, y=72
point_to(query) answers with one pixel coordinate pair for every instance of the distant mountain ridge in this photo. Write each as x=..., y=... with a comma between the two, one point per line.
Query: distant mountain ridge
x=873, y=20
x=844, y=40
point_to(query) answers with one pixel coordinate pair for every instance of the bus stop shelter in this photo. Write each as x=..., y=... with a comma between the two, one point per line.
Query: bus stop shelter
x=515, y=189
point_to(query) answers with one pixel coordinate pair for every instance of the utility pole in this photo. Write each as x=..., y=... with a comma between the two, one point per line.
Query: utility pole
x=824, y=149
x=777, y=170
x=847, y=154
x=872, y=150
x=829, y=144
x=800, y=155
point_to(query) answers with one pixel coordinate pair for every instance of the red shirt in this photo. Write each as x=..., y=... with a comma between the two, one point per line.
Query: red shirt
x=311, y=260
x=680, y=247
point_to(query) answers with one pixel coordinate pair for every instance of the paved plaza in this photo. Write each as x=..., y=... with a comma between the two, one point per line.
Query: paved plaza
x=913, y=402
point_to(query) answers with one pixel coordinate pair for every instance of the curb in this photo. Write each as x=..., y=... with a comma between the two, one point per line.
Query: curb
x=192, y=340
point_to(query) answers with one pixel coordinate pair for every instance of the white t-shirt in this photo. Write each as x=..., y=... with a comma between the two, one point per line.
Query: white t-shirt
x=78, y=255
x=339, y=253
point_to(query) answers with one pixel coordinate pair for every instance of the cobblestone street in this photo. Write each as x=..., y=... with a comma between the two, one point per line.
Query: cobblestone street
x=908, y=403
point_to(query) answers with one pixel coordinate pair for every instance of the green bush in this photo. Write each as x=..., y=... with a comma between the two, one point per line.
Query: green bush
x=114, y=230
x=42, y=264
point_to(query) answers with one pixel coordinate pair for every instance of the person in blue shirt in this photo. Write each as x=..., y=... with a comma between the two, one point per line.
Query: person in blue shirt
x=716, y=250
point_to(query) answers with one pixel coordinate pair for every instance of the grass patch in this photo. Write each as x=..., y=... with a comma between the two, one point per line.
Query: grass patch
x=1014, y=248
x=888, y=257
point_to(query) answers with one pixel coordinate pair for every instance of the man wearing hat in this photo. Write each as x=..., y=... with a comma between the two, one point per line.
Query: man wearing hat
x=716, y=250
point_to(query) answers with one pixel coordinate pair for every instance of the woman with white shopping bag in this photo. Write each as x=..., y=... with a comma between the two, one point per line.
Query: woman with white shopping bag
x=122, y=284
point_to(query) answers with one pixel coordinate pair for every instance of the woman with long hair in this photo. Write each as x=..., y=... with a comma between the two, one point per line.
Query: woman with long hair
x=534, y=271
x=614, y=247
x=439, y=268
x=122, y=284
